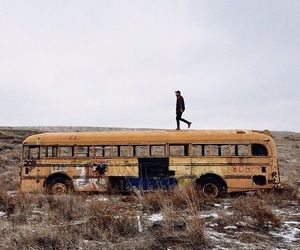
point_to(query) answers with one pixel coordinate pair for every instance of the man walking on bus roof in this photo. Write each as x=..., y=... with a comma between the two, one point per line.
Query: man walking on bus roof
x=180, y=107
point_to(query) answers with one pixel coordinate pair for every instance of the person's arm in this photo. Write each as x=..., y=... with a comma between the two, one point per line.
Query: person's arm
x=181, y=104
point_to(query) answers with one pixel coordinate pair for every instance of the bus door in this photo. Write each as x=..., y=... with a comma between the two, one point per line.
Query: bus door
x=154, y=173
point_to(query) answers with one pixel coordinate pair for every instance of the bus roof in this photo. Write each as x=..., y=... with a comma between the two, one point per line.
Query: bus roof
x=145, y=137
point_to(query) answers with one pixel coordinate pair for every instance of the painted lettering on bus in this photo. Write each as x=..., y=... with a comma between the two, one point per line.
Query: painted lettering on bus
x=241, y=169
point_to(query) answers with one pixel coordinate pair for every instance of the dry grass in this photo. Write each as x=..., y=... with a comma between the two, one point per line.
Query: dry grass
x=43, y=237
x=183, y=231
x=110, y=221
x=255, y=208
x=181, y=197
x=36, y=221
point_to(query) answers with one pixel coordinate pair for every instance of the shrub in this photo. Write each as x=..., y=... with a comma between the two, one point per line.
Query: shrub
x=42, y=237
x=110, y=221
x=257, y=209
x=192, y=236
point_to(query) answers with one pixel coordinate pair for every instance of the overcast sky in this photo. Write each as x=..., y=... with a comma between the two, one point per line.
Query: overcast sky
x=117, y=63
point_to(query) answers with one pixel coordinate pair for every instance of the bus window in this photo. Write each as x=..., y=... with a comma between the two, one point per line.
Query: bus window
x=157, y=150
x=82, y=151
x=126, y=151
x=242, y=150
x=66, y=151
x=211, y=150
x=215, y=150
x=91, y=151
x=51, y=151
x=43, y=152
x=116, y=151
x=26, y=152
x=227, y=150
x=142, y=151
x=102, y=151
x=197, y=150
x=34, y=152
x=179, y=150
x=259, y=150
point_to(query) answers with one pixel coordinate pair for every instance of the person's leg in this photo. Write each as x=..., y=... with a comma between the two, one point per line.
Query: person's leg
x=178, y=117
x=187, y=122
x=184, y=120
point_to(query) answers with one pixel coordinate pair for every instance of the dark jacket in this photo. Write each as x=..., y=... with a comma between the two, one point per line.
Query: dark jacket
x=180, y=104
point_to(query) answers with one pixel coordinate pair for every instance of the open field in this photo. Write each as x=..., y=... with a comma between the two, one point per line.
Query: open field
x=181, y=219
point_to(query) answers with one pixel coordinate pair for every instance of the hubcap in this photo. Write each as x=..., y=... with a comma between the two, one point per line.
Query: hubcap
x=59, y=189
x=210, y=190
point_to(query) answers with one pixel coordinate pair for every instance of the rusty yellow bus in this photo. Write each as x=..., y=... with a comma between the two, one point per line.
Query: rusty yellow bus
x=217, y=161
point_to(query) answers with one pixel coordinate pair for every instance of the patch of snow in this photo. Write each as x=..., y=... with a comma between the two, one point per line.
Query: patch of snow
x=292, y=222
x=213, y=225
x=102, y=199
x=2, y=214
x=289, y=235
x=155, y=217
x=291, y=161
x=37, y=212
x=230, y=227
x=78, y=222
x=212, y=215
x=241, y=223
x=13, y=192
x=217, y=205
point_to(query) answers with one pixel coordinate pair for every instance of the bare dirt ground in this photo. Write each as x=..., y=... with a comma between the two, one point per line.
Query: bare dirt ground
x=181, y=219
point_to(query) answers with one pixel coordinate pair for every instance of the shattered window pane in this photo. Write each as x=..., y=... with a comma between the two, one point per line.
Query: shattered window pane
x=197, y=150
x=157, y=150
x=142, y=150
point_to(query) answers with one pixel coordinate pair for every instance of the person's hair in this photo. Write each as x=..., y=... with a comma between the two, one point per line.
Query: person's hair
x=178, y=92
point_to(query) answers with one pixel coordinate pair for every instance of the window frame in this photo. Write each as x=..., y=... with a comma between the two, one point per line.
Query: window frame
x=234, y=145
x=260, y=144
x=186, y=149
x=65, y=146
x=82, y=156
x=158, y=145
x=142, y=156
x=104, y=147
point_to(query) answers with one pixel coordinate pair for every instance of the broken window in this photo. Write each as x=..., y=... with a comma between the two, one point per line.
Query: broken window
x=82, y=151
x=26, y=152
x=52, y=151
x=116, y=151
x=227, y=150
x=102, y=151
x=179, y=150
x=211, y=150
x=43, y=152
x=66, y=151
x=157, y=150
x=259, y=150
x=242, y=150
x=198, y=150
x=91, y=151
x=34, y=152
x=142, y=151
x=126, y=151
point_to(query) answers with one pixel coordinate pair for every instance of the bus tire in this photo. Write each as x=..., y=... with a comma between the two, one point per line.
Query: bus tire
x=211, y=188
x=58, y=187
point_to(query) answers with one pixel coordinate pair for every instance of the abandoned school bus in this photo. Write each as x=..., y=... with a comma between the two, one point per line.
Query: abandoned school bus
x=216, y=161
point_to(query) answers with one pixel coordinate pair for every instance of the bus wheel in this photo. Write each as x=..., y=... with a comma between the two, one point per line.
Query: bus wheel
x=211, y=188
x=58, y=187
